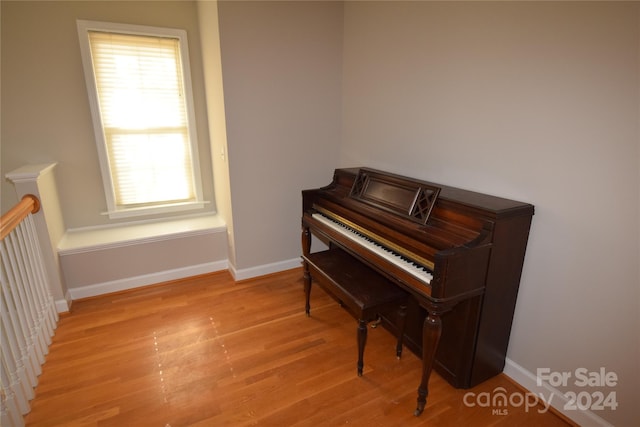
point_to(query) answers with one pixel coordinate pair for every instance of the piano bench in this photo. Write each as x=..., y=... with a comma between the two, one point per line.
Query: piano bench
x=362, y=290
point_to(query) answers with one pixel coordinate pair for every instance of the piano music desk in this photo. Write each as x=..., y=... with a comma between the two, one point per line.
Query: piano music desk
x=364, y=292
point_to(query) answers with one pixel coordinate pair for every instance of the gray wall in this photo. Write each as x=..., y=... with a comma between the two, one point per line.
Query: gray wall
x=533, y=101
x=282, y=65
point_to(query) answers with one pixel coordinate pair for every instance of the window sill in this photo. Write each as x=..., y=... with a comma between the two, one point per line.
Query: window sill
x=92, y=238
x=155, y=210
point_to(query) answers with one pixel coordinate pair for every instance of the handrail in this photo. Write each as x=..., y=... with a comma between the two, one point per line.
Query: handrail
x=28, y=316
x=15, y=215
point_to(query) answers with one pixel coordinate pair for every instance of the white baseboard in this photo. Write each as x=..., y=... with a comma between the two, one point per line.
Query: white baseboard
x=144, y=280
x=62, y=305
x=529, y=381
x=163, y=276
x=261, y=270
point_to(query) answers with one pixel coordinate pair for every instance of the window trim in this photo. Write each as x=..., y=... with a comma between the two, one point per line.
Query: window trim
x=114, y=211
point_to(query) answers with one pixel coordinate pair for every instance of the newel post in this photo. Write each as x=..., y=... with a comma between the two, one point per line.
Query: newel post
x=39, y=180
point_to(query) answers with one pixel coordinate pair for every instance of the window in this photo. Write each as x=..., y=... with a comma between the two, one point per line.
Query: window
x=139, y=87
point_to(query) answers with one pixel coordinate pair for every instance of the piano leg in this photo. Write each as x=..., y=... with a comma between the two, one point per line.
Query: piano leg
x=362, y=340
x=431, y=331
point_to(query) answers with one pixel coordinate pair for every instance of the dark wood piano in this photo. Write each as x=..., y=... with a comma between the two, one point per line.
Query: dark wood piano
x=458, y=253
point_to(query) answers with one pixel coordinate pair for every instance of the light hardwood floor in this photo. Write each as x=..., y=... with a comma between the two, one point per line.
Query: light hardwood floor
x=208, y=351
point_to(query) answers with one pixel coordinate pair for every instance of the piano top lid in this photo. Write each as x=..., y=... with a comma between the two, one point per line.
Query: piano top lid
x=487, y=205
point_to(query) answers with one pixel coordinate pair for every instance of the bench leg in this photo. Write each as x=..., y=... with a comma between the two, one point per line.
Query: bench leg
x=402, y=321
x=307, y=289
x=362, y=340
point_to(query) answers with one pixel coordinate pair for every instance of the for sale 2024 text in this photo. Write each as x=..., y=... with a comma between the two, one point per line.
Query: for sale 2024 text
x=595, y=400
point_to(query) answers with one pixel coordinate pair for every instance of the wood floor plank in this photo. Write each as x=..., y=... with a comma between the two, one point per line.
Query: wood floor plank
x=208, y=351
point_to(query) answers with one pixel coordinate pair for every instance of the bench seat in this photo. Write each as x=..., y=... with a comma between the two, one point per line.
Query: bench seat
x=363, y=291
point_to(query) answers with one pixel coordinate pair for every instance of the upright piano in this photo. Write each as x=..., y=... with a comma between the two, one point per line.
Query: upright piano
x=459, y=255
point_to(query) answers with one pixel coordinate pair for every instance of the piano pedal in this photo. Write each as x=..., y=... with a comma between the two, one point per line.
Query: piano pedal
x=376, y=322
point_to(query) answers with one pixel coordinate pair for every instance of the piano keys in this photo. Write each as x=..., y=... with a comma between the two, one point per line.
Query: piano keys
x=458, y=253
x=421, y=272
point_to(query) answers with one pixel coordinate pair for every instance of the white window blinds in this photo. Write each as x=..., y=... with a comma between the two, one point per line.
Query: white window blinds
x=140, y=92
x=139, y=88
